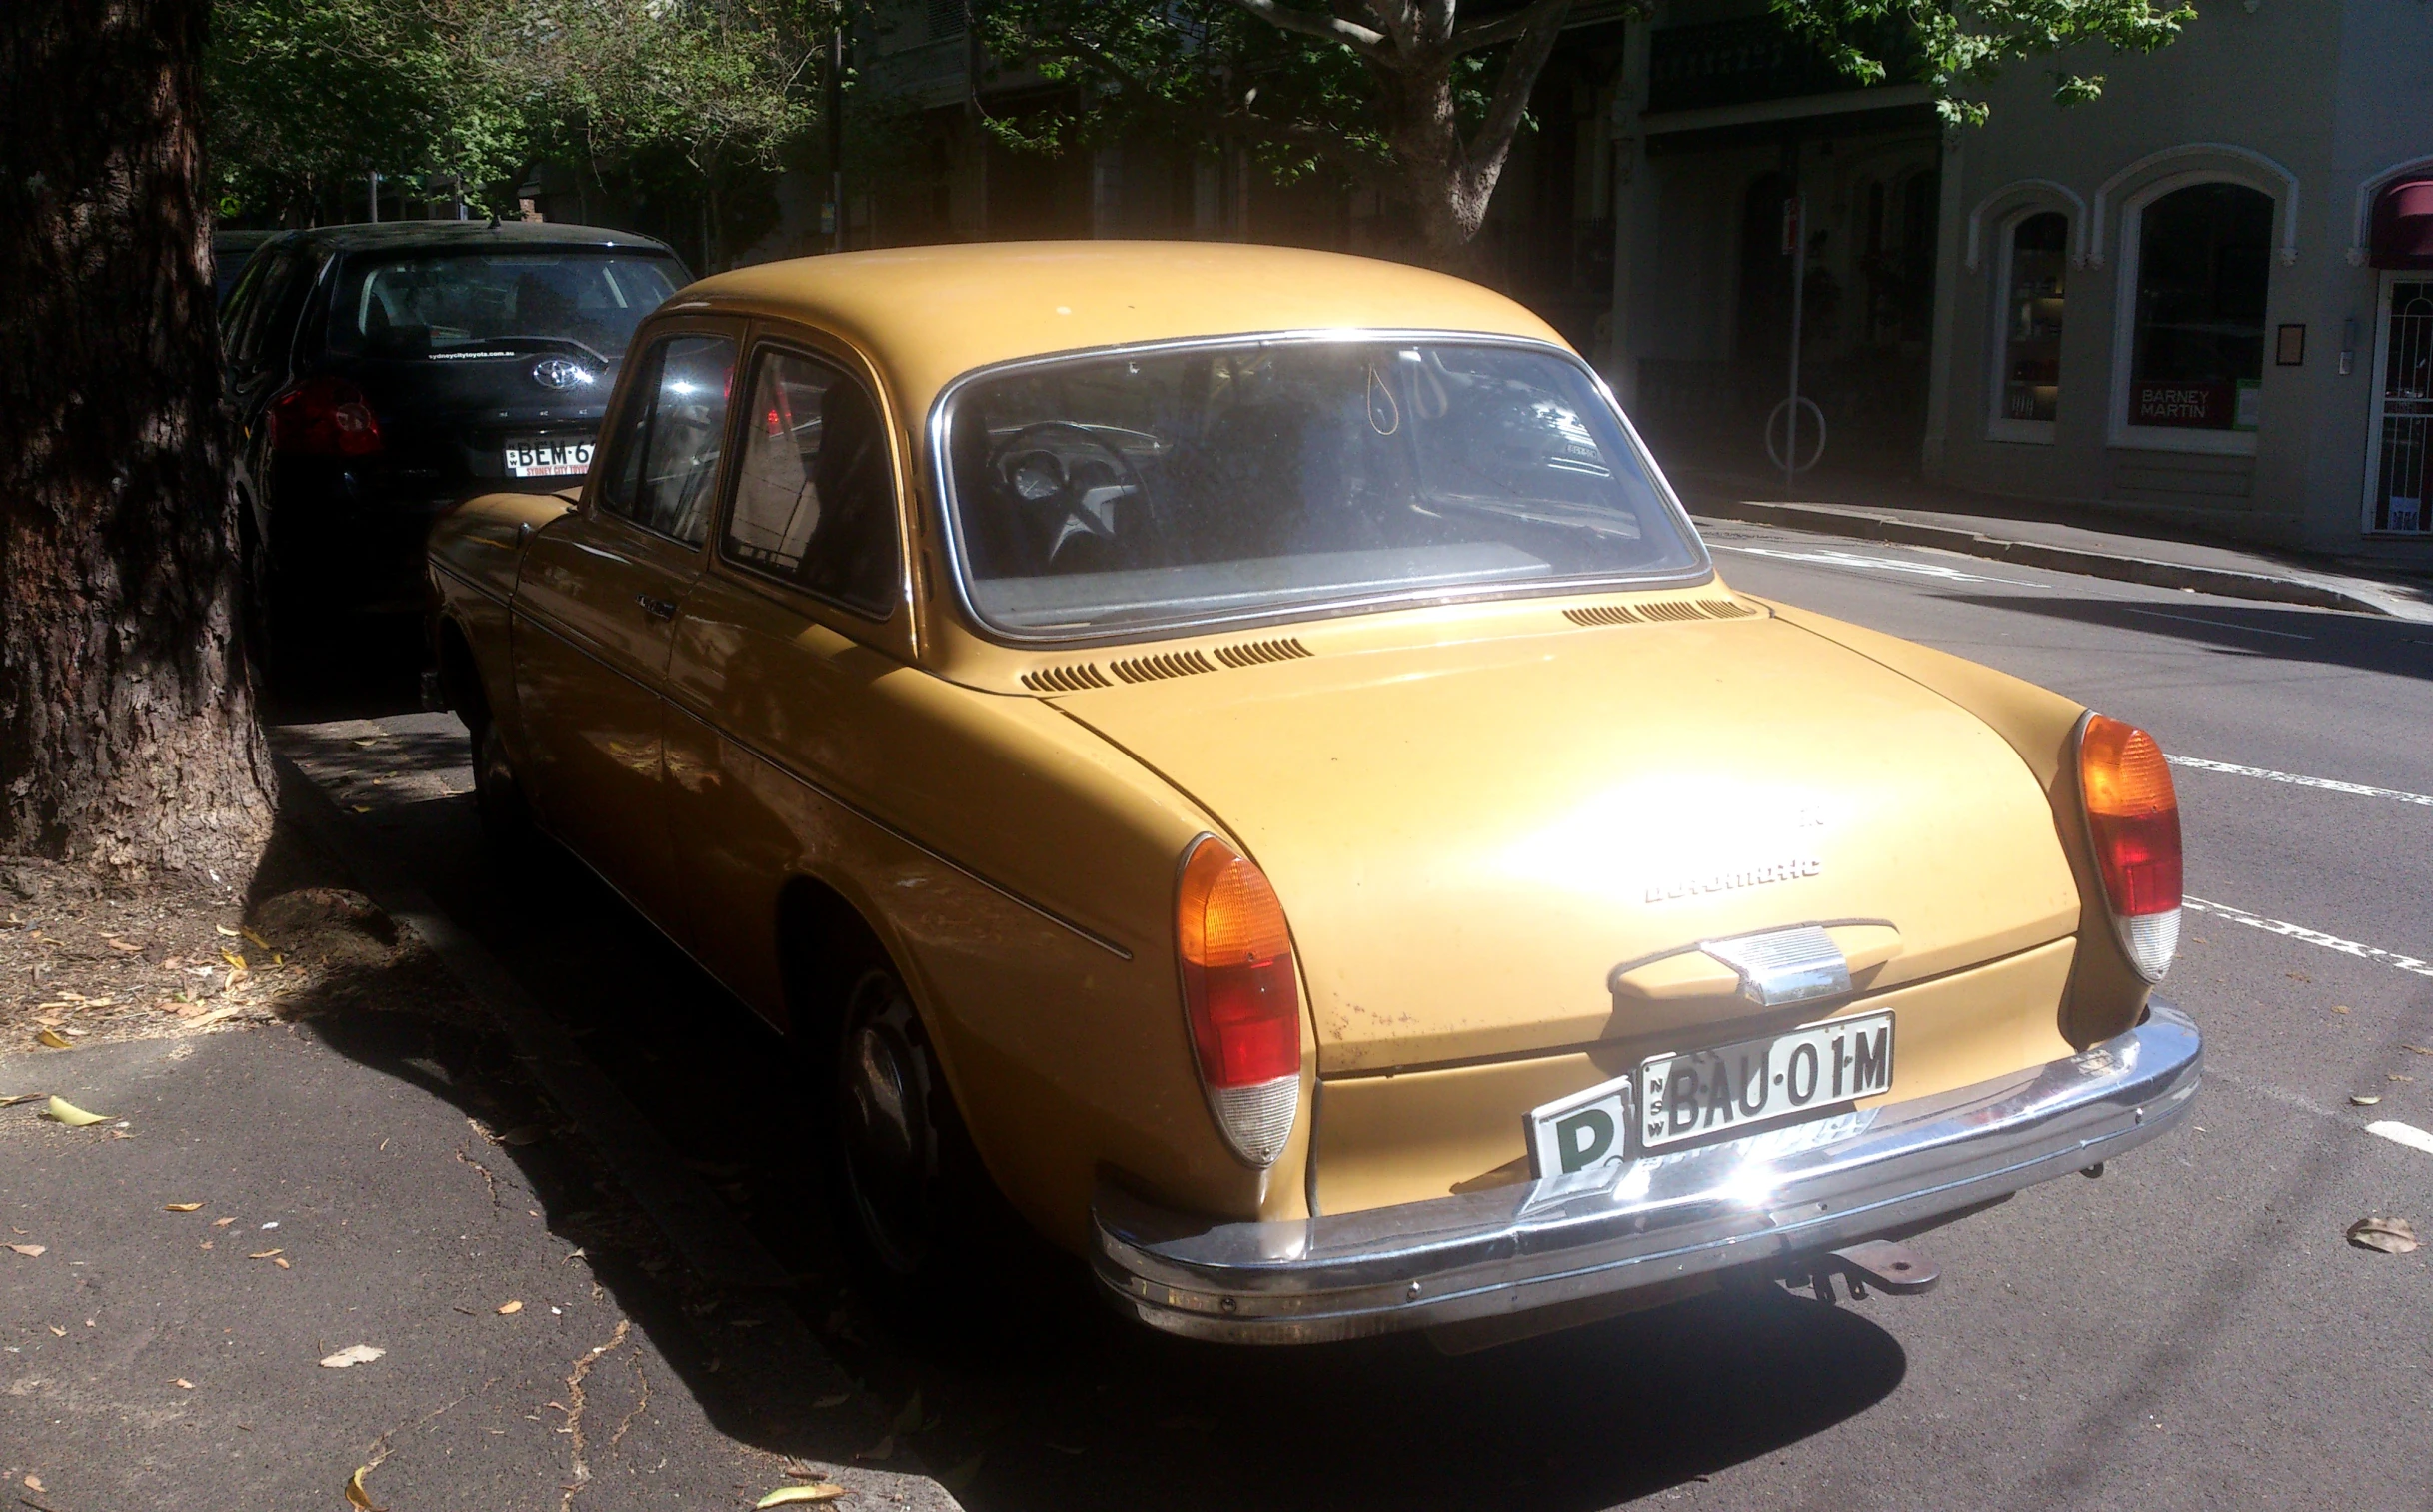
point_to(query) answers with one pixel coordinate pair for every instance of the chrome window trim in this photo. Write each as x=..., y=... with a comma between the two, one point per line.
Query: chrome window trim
x=949, y=525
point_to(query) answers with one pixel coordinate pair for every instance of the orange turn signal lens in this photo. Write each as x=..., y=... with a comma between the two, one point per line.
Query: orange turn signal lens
x=2132, y=815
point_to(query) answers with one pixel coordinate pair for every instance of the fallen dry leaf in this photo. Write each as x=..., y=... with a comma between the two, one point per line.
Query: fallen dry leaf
x=221, y=1222
x=355, y=1496
x=2361, y=1099
x=19, y=1097
x=908, y=1417
x=183, y=1384
x=2390, y=1236
x=32, y=1483
x=51, y=1038
x=281, y=1264
x=30, y=1252
x=255, y=939
x=56, y=1330
x=884, y=1449
x=508, y=1308
x=181, y=1208
x=266, y=1254
x=798, y=1496
x=120, y=945
x=2339, y=1010
x=235, y=962
x=352, y=1354
x=523, y=1134
x=223, y=929
x=2416, y=1050
x=63, y=1112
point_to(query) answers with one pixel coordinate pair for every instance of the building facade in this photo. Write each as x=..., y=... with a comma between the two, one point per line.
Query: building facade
x=2205, y=297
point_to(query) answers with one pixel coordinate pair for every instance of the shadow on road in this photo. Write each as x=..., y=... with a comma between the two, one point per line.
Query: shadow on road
x=1067, y=1405
x=2398, y=648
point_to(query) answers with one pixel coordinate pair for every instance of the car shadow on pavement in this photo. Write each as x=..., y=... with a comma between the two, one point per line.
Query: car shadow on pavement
x=2397, y=647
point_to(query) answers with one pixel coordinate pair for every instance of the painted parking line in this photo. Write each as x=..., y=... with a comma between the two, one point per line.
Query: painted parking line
x=2292, y=779
x=2408, y=963
x=2403, y=1133
x=2248, y=630
x=1880, y=563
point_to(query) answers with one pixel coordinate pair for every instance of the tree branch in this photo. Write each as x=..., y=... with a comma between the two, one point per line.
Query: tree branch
x=1363, y=39
x=1499, y=29
x=1538, y=27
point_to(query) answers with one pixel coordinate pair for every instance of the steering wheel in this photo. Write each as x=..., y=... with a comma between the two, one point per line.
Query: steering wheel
x=1047, y=468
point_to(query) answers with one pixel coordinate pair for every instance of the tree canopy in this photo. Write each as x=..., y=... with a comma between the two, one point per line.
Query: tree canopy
x=1423, y=99
x=305, y=94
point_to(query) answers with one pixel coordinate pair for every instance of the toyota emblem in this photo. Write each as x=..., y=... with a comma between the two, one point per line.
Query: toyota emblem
x=558, y=373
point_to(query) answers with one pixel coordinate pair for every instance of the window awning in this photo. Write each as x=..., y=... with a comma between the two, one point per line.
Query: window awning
x=2403, y=225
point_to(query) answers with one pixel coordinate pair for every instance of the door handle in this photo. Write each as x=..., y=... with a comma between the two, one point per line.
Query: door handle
x=657, y=609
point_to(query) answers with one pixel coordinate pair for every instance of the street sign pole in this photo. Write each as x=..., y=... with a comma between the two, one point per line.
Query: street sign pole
x=1796, y=232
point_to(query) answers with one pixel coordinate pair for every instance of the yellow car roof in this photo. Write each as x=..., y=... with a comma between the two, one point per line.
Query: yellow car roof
x=926, y=315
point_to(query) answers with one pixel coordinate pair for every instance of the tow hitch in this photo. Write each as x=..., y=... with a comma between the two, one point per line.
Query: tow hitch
x=1887, y=1266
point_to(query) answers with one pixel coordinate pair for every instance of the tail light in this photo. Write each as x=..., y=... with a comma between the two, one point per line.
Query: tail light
x=2133, y=821
x=324, y=417
x=1240, y=991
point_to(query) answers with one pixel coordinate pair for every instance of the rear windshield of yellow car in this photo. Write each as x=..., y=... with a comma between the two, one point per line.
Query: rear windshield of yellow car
x=1100, y=495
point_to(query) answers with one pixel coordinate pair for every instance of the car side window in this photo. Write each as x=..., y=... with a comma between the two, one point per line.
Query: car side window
x=663, y=452
x=814, y=503
x=264, y=294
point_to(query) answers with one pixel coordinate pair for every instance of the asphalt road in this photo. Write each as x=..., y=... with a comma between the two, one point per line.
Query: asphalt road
x=2190, y=1331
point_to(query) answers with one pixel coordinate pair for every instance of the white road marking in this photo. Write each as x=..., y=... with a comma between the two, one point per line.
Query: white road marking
x=2164, y=614
x=2403, y=1133
x=2326, y=784
x=2282, y=1095
x=1880, y=563
x=2311, y=936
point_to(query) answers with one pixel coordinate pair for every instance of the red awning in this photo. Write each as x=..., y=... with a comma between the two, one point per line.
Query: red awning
x=2403, y=225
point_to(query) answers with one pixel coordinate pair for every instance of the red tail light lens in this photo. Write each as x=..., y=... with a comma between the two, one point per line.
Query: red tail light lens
x=2132, y=817
x=1242, y=995
x=324, y=417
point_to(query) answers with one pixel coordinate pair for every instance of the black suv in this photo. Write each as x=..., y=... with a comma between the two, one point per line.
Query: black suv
x=381, y=373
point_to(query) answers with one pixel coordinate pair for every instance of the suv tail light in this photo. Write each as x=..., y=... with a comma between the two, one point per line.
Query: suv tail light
x=2133, y=821
x=1242, y=992
x=324, y=417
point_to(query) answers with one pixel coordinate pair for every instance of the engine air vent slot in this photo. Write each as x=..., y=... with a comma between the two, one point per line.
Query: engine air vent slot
x=1252, y=653
x=1659, y=609
x=1165, y=663
x=1072, y=676
x=1602, y=614
x=1725, y=609
x=1671, y=609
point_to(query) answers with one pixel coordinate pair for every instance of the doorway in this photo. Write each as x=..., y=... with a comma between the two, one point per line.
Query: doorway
x=2402, y=425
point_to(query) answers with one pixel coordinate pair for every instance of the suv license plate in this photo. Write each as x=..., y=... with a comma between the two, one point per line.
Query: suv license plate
x=547, y=459
x=1808, y=1070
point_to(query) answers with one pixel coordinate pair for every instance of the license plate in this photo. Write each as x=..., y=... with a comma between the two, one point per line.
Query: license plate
x=547, y=459
x=1702, y=1092
x=1673, y=1098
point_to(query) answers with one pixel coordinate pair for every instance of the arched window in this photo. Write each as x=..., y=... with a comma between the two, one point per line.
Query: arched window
x=2196, y=340
x=2033, y=285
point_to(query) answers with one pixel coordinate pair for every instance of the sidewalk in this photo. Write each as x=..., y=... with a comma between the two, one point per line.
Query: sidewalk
x=2057, y=537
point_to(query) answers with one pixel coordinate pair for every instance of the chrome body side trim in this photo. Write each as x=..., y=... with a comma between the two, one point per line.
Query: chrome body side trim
x=943, y=482
x=1803, y=1190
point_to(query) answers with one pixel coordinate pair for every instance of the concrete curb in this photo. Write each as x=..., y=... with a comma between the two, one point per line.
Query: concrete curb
x=2225, y=581
x=713, y=1243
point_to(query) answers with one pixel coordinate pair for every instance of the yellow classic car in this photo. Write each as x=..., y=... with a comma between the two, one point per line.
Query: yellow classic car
x=1240, y=751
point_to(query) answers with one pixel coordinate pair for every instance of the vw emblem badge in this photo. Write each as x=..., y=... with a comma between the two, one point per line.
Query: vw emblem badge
x=558, y=373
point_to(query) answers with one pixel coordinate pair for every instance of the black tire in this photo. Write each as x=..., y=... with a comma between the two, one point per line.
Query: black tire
x=498, y=798
x=921, y=1226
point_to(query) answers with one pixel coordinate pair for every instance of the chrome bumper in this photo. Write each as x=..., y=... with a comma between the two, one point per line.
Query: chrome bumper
x=1791, y=1192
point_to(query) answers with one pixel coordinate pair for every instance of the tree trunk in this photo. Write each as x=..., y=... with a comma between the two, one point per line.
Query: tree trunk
x=128, y=737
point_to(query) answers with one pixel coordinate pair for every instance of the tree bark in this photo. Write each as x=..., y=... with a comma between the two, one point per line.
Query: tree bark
x=127, y=733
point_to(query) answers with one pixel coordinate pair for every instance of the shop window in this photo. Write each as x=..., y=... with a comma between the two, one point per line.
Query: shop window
x=2035, y=280
x=2196, y=350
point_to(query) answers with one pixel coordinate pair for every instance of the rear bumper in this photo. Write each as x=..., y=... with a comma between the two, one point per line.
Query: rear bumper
x=1769, y=1197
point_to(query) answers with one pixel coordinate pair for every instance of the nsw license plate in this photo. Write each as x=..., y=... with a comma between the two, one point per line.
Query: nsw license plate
x=1671, y=1099
x=1761, y=1080
x=547, y=459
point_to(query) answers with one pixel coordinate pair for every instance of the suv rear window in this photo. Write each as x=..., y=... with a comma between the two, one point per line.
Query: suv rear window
x=504, y=304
